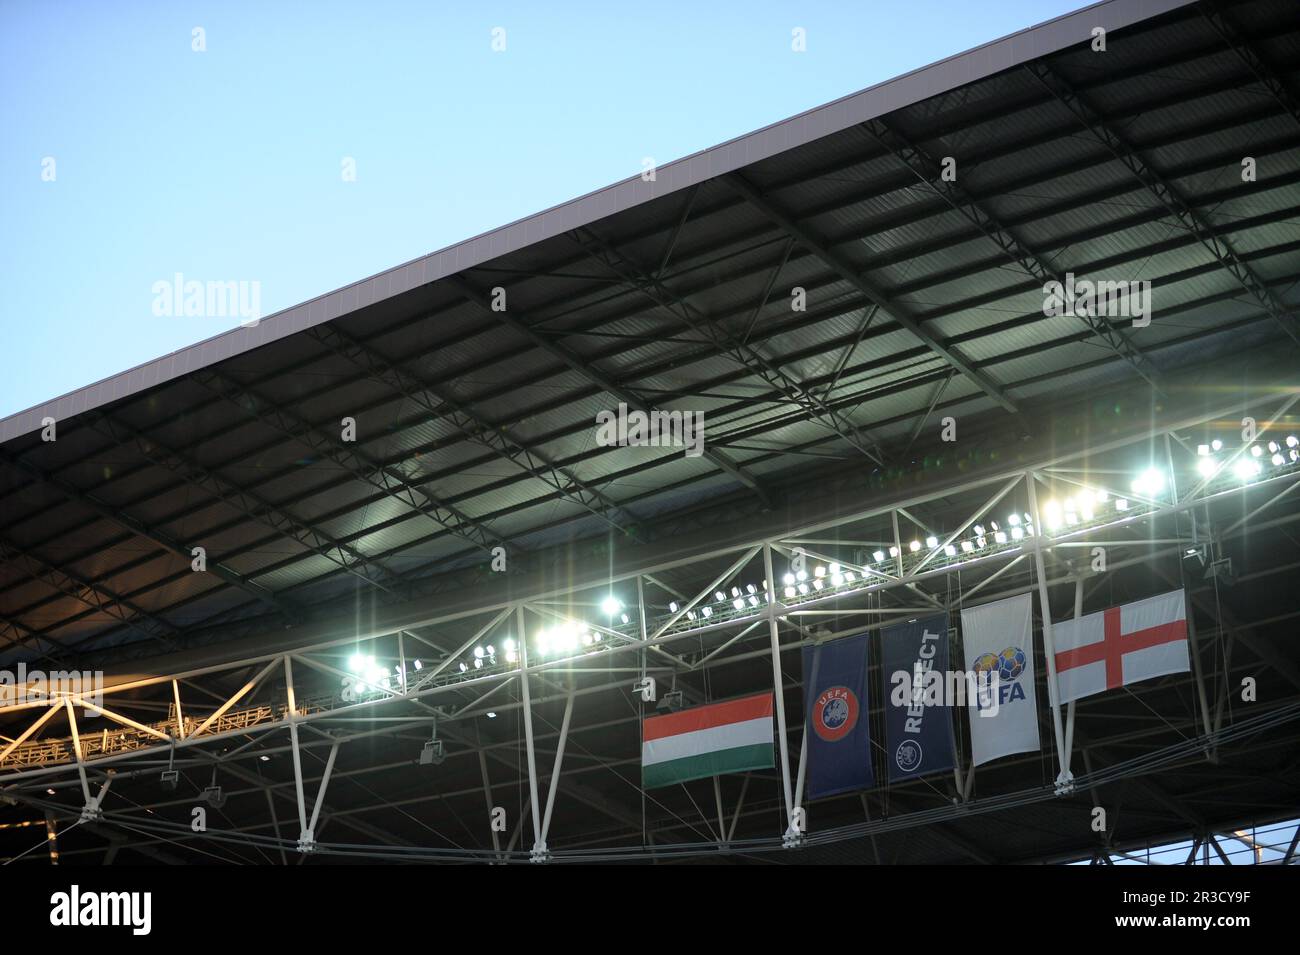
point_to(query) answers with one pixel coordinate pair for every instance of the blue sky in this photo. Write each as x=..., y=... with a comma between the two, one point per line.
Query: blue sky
x=226, y=165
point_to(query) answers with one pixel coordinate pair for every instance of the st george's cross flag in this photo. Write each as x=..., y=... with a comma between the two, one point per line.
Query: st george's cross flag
x=729, y=737
x=1122, y=645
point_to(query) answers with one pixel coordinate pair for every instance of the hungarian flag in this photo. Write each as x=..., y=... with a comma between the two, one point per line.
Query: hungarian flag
x=1121, y=645
x=729, y=737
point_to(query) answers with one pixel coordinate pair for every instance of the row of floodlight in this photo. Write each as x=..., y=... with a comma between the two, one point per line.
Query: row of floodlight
x=1080, y=508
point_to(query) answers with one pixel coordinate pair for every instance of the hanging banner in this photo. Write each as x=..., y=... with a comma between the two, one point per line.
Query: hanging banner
x=998, y=640
x=918, y=723
x=1122, y=645
x=836, y=731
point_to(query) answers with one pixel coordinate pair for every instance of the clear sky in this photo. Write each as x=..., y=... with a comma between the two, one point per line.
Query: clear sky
x=227, y=164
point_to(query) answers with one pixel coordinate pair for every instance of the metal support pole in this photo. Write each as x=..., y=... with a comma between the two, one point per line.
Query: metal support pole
x=76, y=750
x=555, y=773
x=1198, y=673
x=308, y=837
x=487, y=797
x=778, y=685
x=538, y=842
x=1065, y=781
x=180, y=716
x=1069, y=710
x=292, y=716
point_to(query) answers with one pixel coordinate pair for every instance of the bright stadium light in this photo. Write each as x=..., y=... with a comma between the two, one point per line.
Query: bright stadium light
x=914, y=546
x=738, y=604
x=1292, y=441
x=1149, y=483
x=707, y=611
x=950, y=550
x=932, y=542
x=878, y=556
x=819, y=571
x=611, y=605
x=788, y=580
x=672, y=606
x=1202, y=449
x=1216, y=445
x=1207, y=467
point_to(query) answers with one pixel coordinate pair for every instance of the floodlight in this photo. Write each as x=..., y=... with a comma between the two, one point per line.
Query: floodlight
x=967, y=547
x=932, y=542
x=707, y=611
x=738, y=604
x=914, y=546
x=878, y=556
x=819, y=571
x=950, y=550
x=1207, y=467
x=1149, y=483
x=1216, y=445
x=1202, y=449
x=611, y=605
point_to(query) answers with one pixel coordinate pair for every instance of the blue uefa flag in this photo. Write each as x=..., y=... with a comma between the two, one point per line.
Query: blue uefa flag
x=837, y=733
x=918, y=733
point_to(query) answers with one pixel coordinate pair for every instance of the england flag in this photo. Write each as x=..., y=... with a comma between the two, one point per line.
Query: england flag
x=1122, y=645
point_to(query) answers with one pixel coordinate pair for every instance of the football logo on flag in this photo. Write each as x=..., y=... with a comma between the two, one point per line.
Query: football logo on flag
x=908, y=755
x=835, y=713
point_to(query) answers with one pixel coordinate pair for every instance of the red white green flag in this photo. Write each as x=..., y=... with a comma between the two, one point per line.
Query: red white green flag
x=729, y=737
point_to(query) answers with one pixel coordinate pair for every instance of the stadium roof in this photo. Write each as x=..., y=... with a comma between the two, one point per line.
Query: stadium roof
x=924, y=301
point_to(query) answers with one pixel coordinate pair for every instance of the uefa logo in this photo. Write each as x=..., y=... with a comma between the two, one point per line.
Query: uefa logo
x=908, y=755
x=835, y=713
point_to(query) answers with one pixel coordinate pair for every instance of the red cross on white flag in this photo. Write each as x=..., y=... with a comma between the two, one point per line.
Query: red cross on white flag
x=1121, y=645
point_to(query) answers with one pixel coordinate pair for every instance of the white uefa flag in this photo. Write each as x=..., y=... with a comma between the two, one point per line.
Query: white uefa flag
x=1122, y=645
x=999, y=639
